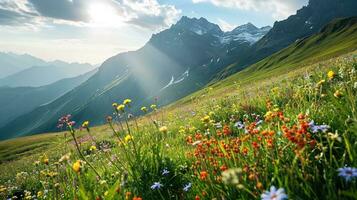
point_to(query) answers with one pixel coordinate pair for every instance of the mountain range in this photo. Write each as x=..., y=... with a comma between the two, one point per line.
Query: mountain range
x=178, y=61
x=28, y=71
x=15, y=102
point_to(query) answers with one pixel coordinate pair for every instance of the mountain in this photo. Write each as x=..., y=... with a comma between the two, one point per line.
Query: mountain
x=245, y=33
x=336, y=38
x=37, y=76
x=174, y=63
x=306, y=22
x=15, y=102
x=11, y=63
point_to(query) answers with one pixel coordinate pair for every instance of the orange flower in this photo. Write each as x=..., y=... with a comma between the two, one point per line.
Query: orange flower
x=197, y=197
x=137, y=198
x=223, y=168
x=203, y=175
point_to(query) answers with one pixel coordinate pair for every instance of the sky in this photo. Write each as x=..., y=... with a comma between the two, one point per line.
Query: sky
x=94, y=30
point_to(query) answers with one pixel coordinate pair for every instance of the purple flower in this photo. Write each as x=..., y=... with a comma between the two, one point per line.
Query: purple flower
x=274, y=194
x=165, y=172
x=187, y=187
x=156, y=186
x=347, y=173
x=316, y=128
x=239, y=125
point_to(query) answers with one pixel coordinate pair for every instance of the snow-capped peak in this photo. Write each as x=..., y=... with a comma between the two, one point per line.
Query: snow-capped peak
x=245, y=33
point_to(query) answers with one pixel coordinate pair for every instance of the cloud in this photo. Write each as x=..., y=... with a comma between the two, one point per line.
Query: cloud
x=147, y=14
x=279, y=9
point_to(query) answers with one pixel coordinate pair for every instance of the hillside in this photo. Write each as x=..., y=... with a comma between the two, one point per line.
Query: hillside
x=306, y=22
x=336, y=38
x=210, y=146
x=157, y=69
x=21, y=100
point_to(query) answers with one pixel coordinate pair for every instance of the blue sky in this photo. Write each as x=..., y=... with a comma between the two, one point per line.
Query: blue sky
x=94, y=30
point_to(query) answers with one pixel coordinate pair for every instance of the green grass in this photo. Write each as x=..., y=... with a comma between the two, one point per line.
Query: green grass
x=204, y=147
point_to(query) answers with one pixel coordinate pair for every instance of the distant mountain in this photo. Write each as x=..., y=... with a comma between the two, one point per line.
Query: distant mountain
x=174, y=63
x=307, y=21
x=37, y=76
x=18, y=101
x=245, y=33
x=11, y=63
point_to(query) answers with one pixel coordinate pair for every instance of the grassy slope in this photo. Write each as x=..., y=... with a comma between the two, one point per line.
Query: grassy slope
x=338, y=38
x=268, y=72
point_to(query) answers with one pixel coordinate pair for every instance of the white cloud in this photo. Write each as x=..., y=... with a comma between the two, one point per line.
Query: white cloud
x=148, y=14
x=280, y=9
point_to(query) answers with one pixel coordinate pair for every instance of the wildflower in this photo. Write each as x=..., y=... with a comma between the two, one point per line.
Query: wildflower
x=165, y=172
x=335, y=136
x=127, y=101
x=144, y=109
x=93, y=148
x=109, y=119
x=163, y=129
x=337, y=94
x=128, y=138
x=206, y=119
x=115, y=105
x=316, y=128
x=347, y=173
x=203, y=175
x=45, y=161
x=153, y=107
x=231, y=176
x=127, y=195
x=274, y=194
x=156, y=186
x=77, y=166
x=239, y=125
x=39, y=194
x=187, y=187
x=120, y=107
x=331, y=75
x=85, y=124
x=197, y=197
x=137, y=198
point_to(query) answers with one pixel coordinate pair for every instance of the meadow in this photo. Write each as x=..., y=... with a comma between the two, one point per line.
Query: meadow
x=282, y=134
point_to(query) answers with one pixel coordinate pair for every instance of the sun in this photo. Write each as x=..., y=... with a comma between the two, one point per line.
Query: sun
x=102, y=14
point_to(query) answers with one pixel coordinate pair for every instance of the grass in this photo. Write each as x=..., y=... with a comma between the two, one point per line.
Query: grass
x=288, y=122
x=224, y=162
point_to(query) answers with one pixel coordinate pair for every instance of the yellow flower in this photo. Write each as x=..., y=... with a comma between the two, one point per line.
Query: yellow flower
x=331, y=74
x=106, y=193
x=85, y=124
x=337, y=94
x=206, y=119
x=153, y=107
x=115, y=105
x=144, y=109
x=77, y=166
x=211, y=113
x=128, y=138
x=163, y=129
x=93, y=148
x=127, y=101
x=121, y=107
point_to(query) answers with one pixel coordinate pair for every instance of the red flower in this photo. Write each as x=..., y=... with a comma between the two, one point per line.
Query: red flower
x=203, y=175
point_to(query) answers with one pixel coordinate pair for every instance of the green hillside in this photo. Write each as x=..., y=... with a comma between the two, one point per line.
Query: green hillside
x=338, y=37
x=288, y=122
